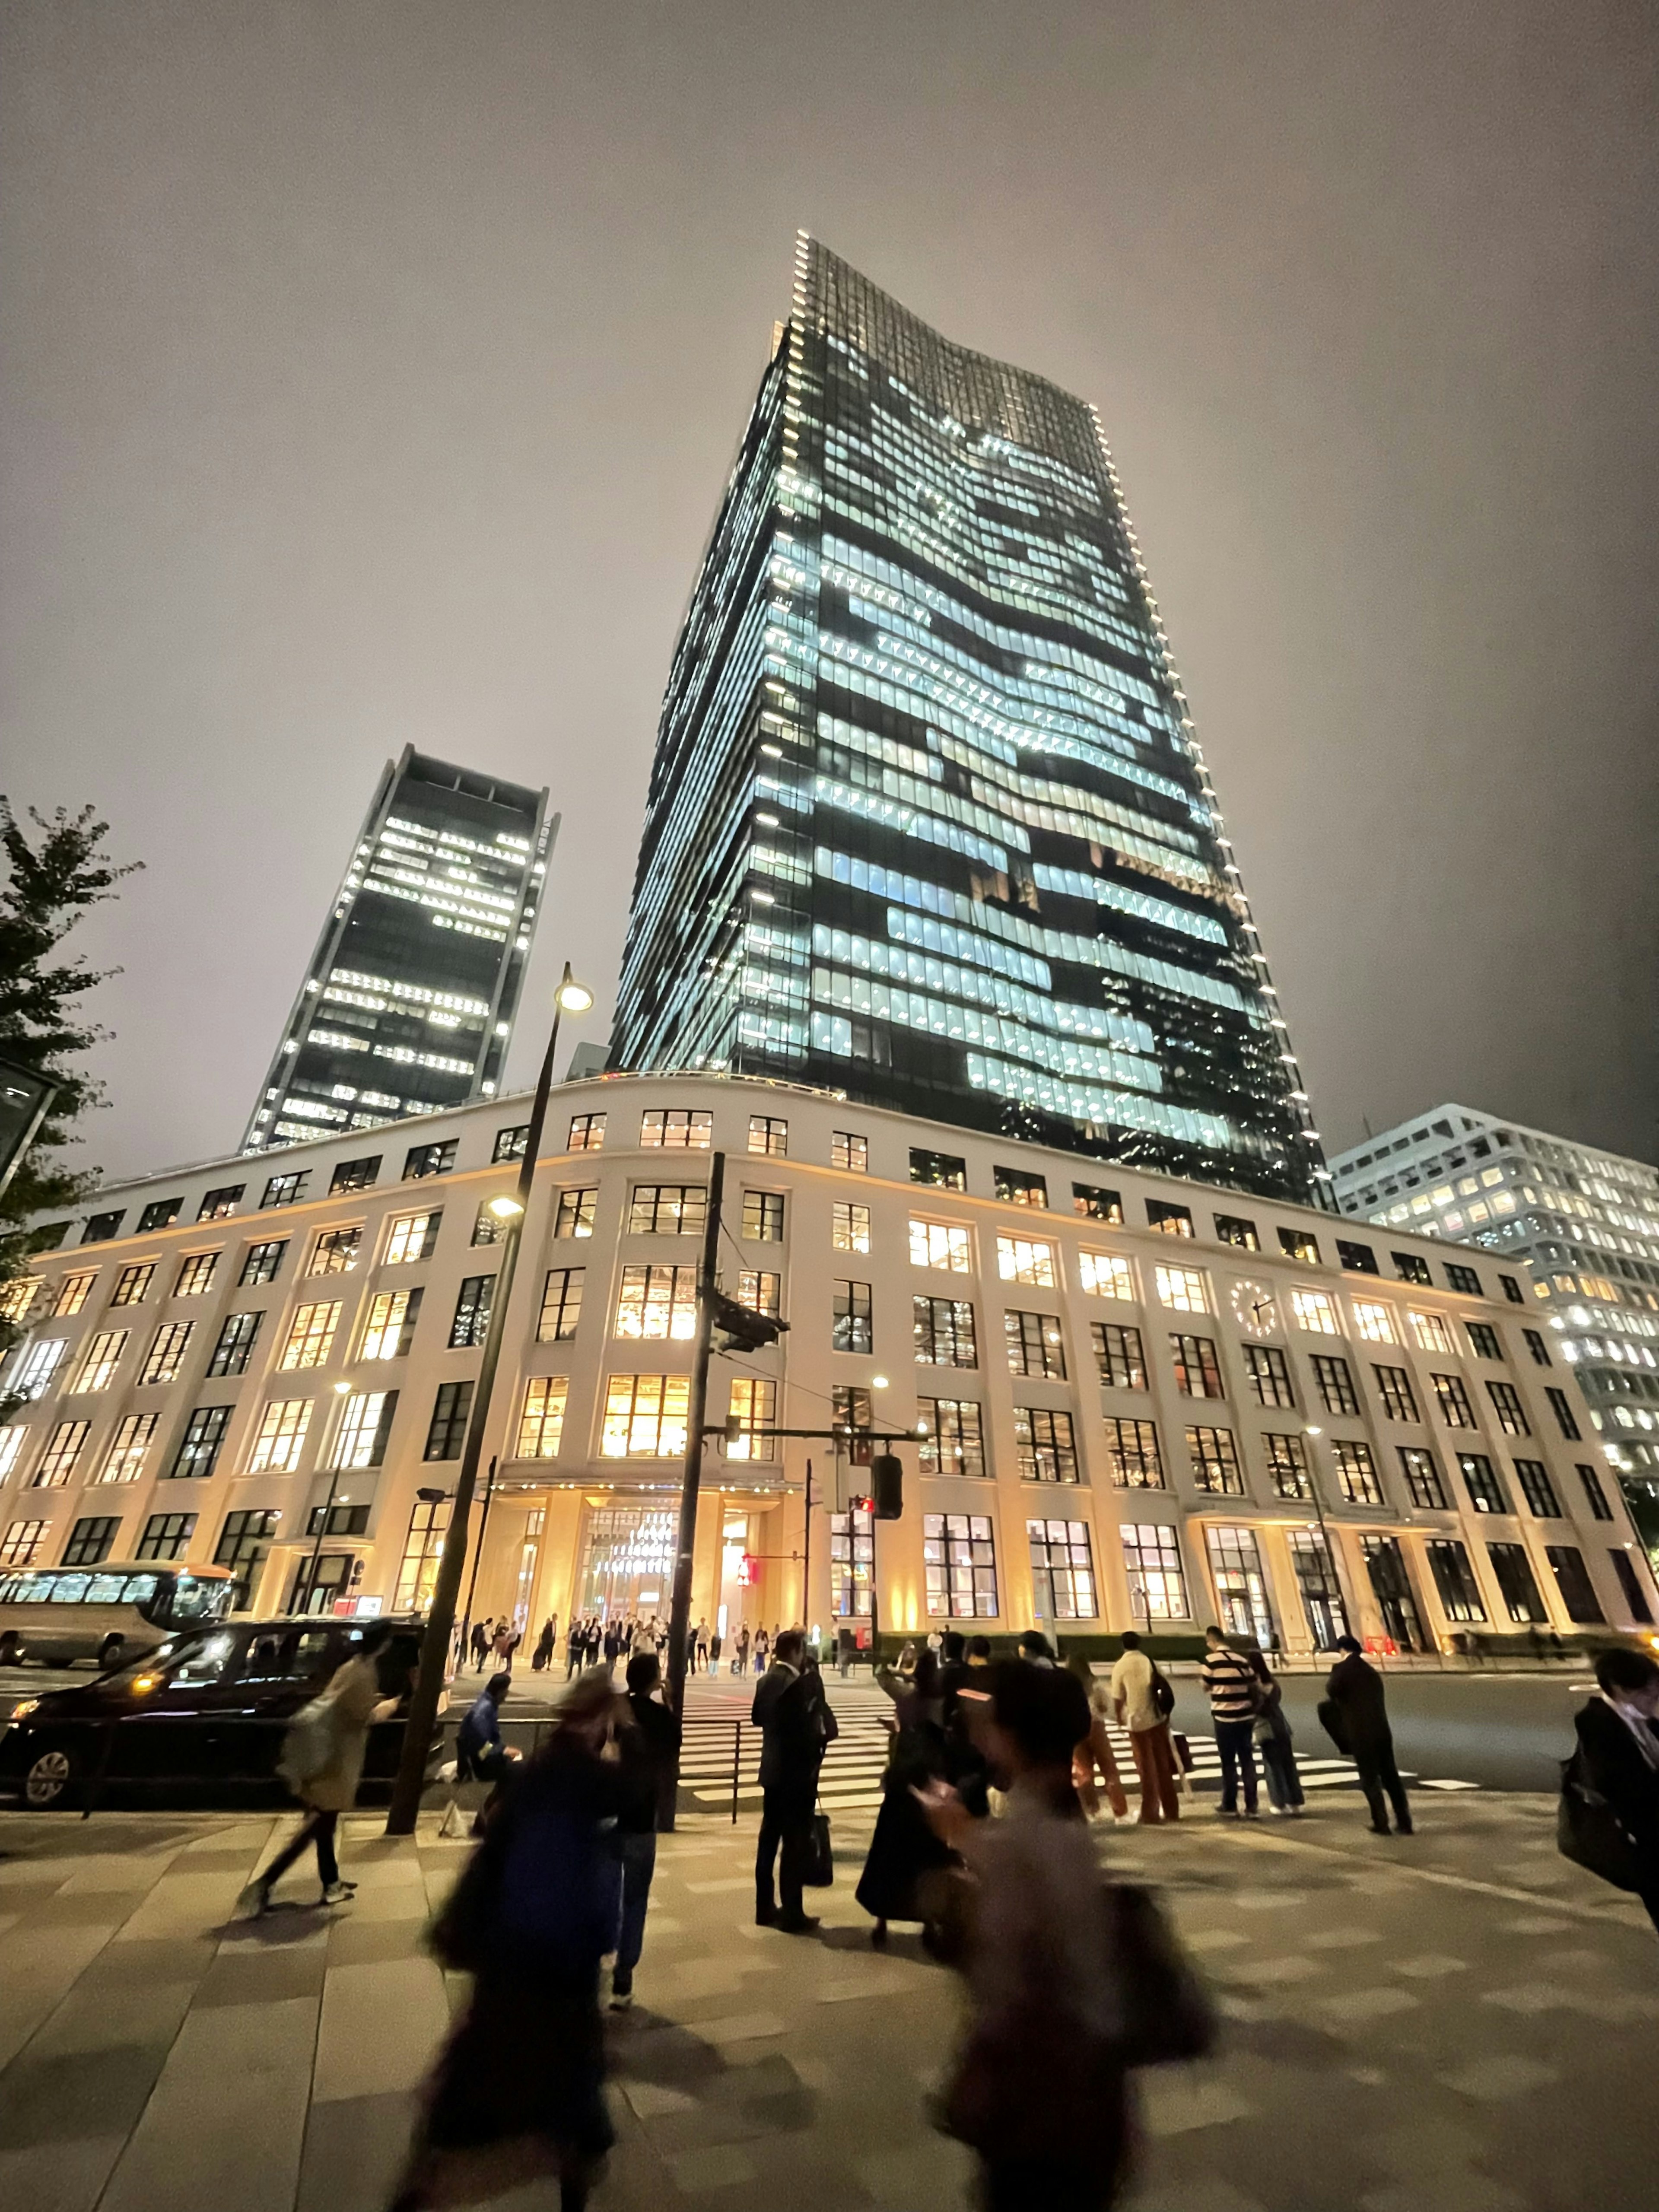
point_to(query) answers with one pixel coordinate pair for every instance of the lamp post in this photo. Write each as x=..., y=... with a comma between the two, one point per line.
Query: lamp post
x=570, y=997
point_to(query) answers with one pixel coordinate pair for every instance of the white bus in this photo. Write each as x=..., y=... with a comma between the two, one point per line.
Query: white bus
x=111, y=1612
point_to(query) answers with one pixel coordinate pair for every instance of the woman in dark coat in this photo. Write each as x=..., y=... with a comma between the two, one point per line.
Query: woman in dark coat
x=1620, y=1757
x=903, y=1847
x=518, y=2090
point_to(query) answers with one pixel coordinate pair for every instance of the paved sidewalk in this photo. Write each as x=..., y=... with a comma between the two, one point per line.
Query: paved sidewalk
x=1457, y=2023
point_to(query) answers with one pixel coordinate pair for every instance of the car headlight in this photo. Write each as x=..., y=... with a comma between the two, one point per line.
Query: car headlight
x=21, y=1712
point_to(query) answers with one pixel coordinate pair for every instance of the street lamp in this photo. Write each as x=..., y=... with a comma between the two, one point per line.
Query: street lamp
x=570, y=998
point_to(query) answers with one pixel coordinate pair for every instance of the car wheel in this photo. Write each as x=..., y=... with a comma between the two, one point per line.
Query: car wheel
x=114, y=1646
x=48, y=1780
x=11, y=1652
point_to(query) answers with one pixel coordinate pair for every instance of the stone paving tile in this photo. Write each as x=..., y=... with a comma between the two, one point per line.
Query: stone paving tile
x=58, y=2177
x=381, y=2025
x=354, y=2150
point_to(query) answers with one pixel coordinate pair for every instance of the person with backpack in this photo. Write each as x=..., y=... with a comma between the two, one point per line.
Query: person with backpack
x=1230, y=1684
x=322, y=1761
x=1143, y=1701
x=1618, y=1759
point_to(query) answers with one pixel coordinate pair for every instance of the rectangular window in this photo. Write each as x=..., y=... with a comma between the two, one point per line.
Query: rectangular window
x=849, y=1152
x=945, y=1333
x=1214, y=1455
x=1019, y=1187
x=761, y=1291
x=166, y=1355
x=941, y=1245
x=1423, y=1478
x=1573, y=1582
x=263, y=1263
x=1036, y=1344
x=943, y=1170
x=489, y=1227
x=335, y=1252
x=952, y=1439
x=1430, y=1332
x=645, y=1416
x=1594, y=1496
x=1484, y=1339
x=218, y=1203
x=1269, y=1371
x=471, y=1324
x=131, y=1284
x=166, y=1536
x=1234, y=1229
x=103, y=1356
x=20, y=1542
x=1133, y=1455
x=1356, y=1259
x=1394, y=1386
x=852, y=1565
x=959, y=1562
x=310, y=1337
x=1335, y=1383
x=1287, y=1466
x=417, y=1578
x=1537, y=1489
x=1464, y=1280
x=1512, y=1291
x=762, y=1217
x=1299, y=1244
x=100, y=1227
x=1630, y=1584
x=1168, y=1221
x=430, y=1159
x=1375, y=1322
x=561, y=1305
x=1023, y=1259
x=852, y=1412
x=1356, y=1472
x=244, y=1546
x=445, y=1432
x=12, y=1440
x=389, y=1328
x=280, y=1437
x=656, y=1209
x=200, y=1445
x=1316, y=1312
x=1512, y=1572
x=1480, y=1480
x=1536, y=1346
x=1103, y=1275
x=160, y=1214
x=1197, y=1370
x=1118, y=1356
x=36, y=1366
x=1454, y=1401
x=1185, y=1289
x=510, y=1143
x=1096, y=1205
x=849, y=1226
x=64, y=1448
x=237, y=1336
x=1411, y=1269
x=1043, y=1445
x=365, y=1429
x=285, y=1189
x=541, y=1421
x=72, y=1294
x=354, y=1174
x=1506, y=1404
x=754, y=1405
x=413, y=1236
x=196, y=1275
x=1151, y=1558
x=1454, y=1578
x=676, y=1129
x=657, y=1302
x=92, y=1540
x=770, y=1135
x=851, y=1328
x=1560, y=1406
x=586, y=1133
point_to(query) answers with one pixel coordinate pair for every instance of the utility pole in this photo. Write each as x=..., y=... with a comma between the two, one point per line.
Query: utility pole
x=679, y=1613
x=440, y=1618
x=807, y=1557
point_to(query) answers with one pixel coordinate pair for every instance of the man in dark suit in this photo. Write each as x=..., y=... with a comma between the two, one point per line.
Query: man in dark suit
x=1355, y=1690
x=1621, y=1747
x=795, y=1721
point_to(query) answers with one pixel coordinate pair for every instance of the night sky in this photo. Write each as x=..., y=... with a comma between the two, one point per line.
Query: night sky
x=370, y=374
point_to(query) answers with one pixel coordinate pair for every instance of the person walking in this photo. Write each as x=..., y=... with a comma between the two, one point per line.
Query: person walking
x=796, y=1725
x=479, y=1646
x=740, y=1659
x=542, y=1657
x=699, y=1647
x=501, y=1643
x=1037, y=2090
x=518, y=2090
x=325, y=1764
x=1619, y=1747
x=650, y=1751
x=1094, y=1752
x=1229, y=1683
x=1275, y=1740
x=1358, y=1707
x=1142, y=1701
x=904, y=1848
x=714, y=1652
x=763, y=1647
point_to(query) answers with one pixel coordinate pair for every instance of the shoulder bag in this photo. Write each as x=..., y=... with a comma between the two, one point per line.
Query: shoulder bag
x=1590, y=1833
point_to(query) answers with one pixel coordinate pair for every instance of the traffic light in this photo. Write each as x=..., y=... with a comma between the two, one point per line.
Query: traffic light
x=740, y=1328
x=887, y=1480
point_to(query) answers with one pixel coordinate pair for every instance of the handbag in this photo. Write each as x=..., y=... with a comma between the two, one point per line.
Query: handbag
x=1590, y=1833
x=1168, y=2013
x=1330, y=1719
x=1163, y=1696
x=818, y=1864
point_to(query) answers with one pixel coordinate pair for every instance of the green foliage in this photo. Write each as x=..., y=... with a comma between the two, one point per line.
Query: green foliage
x=55, y=869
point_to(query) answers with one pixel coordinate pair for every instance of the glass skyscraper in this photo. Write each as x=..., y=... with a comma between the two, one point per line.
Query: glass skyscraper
x=407, y=1005
x=928, y=821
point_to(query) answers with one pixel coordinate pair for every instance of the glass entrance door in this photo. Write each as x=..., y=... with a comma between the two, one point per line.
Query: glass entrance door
x=628, y=1562
x=1316, y=1578
x=1391, y=1586
x=1241, y=1587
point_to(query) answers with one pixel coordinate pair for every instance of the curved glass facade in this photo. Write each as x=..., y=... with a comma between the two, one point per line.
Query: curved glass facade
x=928, y=821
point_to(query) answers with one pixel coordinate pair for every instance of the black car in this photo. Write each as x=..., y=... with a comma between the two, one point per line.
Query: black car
x=200, y=1719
